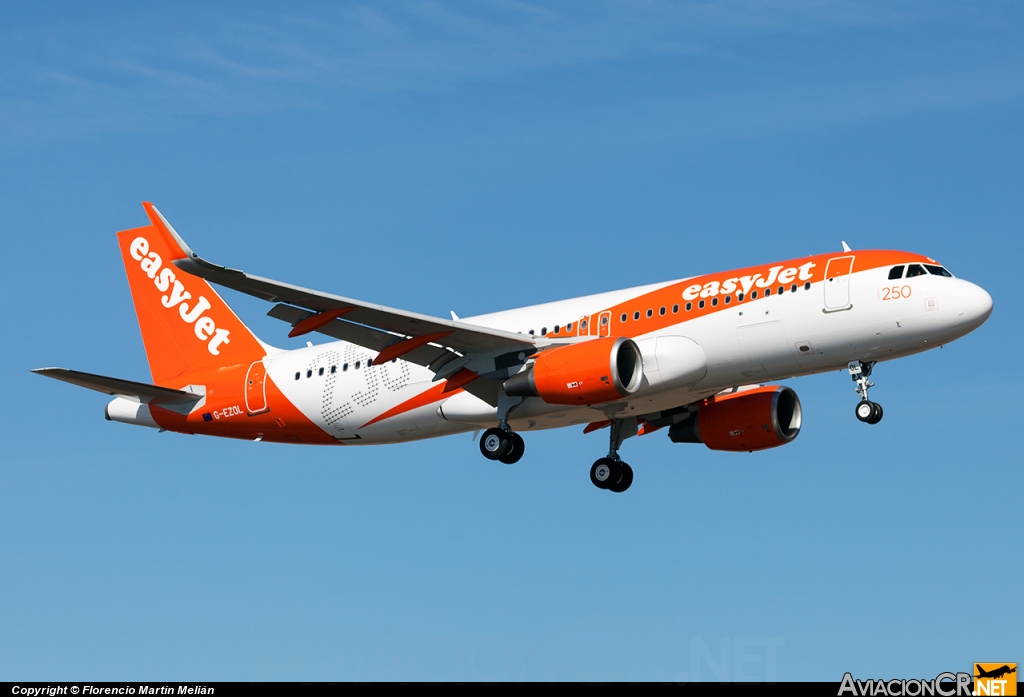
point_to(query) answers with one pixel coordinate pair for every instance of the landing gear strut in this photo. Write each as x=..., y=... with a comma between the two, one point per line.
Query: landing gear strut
x=867, y=411
x=611, y=472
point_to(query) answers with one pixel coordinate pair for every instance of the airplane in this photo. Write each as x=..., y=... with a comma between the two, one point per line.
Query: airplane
x=996, y=673
x=696, y=356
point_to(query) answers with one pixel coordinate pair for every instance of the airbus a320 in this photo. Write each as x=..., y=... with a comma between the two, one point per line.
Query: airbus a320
x=695, y=357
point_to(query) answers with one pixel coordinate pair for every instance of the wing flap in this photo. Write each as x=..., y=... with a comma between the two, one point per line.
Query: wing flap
x=361, y=335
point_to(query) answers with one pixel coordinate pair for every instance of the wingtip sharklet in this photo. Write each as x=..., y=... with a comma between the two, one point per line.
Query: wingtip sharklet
x=171, y=235
x=185, y=258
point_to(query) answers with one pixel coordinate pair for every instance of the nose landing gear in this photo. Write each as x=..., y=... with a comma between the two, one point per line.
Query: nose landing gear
x=611, y=472
x=867, y=411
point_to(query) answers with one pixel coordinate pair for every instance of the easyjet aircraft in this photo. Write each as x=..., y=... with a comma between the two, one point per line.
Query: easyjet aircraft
x=689, y=356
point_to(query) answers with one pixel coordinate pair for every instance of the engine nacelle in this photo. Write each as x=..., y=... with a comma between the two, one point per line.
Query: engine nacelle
x=764, y=417
x=591, y=372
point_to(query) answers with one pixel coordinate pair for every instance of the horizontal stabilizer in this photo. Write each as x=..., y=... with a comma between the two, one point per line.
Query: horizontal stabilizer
x=145, y=393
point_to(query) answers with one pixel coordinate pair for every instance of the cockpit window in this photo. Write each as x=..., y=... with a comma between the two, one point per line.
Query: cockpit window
x=938, y=271
x=896, y=272
x=915, y=270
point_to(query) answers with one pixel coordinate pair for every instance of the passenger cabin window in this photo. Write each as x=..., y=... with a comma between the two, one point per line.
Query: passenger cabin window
x=739, y=297
x=296, y=376
x=938, y=271
x=309, y=373
x=807, y=286
x=661, y=311
x=896, y=272
x=344, y=367
x=728, y=299
x=623, y=318
x=568, y=327
x=714, y=302
x=675, y=309
x=556, y=328
x=321, y=371
x=636, y=315
x=334, y=369
x=357, y=365
x=915, y=270
x=753, y=295
x=792, y=288
x=650, y=312
x=543, y=331
x=689, y=306
x=701, y=304
x=767, y=292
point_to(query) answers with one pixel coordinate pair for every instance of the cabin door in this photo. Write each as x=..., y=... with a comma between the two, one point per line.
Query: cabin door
x=837, y=284
x=256, y=389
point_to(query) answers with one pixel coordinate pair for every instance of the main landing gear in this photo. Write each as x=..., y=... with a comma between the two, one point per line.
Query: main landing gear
x=613, y=475
x=503, y=445
x=867, y=411
x=611, y=472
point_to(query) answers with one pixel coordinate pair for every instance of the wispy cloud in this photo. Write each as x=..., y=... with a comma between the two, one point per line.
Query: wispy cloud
x=149, y=69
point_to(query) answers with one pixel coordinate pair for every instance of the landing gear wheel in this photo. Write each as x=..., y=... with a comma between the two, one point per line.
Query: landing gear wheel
x=869, y=412
x=604, y=472
x=495, y=443
x=625, y=479
x=515, y=453
x=865, y=411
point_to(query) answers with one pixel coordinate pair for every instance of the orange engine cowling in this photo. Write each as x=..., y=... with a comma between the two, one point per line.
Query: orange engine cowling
x=764, y=417
x=591, y=372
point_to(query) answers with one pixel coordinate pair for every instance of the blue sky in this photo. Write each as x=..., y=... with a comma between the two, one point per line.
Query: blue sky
x=477, y=157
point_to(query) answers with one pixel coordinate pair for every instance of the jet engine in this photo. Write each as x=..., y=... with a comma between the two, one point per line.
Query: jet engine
x=755, y=419
x=591, y=372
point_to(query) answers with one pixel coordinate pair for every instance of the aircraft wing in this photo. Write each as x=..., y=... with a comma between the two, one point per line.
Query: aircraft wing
x=464, y=338
x=445, y=346
x=145, y=393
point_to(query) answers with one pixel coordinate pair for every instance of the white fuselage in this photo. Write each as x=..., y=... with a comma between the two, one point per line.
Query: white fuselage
x=798, y=332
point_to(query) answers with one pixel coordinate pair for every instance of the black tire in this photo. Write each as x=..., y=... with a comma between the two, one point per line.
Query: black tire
x=865, y=411
x=604, y=472
x=515, y=453
x=624, y=480
x=495, y=443
x=877, y=416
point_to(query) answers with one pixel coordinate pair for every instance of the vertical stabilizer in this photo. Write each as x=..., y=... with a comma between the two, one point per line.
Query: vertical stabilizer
x=187, y=329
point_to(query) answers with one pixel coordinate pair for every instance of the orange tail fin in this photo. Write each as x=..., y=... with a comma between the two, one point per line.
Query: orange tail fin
x=186, y=327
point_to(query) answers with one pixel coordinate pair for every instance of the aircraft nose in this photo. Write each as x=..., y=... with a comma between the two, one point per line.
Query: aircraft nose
x=975, y=305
